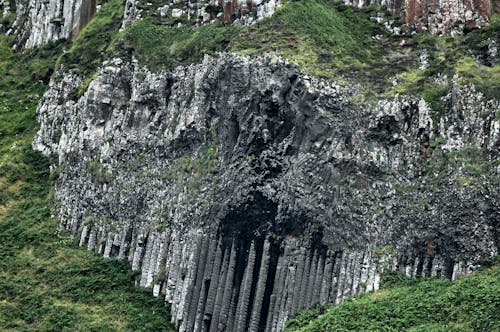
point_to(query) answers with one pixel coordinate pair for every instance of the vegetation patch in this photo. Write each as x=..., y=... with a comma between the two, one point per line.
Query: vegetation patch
x=324, y=37
x=99, y=172
x=193, y=171
x=468, y=304
x=89, y=49
x=469, y=167
x=161, y=47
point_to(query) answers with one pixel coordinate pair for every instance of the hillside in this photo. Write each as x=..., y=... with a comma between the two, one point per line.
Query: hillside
x=469, y=304
x=249, y=161
x=47, y=283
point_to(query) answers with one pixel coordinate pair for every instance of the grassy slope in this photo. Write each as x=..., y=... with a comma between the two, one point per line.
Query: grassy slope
x=470, y=304
x=46, y=282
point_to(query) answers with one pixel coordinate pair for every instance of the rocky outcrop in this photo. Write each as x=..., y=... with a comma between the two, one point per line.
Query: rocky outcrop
x=437, y=16
x=38, y=22
x=245, y=191
x=5, y=8
x=202, y=12
x=447, y=16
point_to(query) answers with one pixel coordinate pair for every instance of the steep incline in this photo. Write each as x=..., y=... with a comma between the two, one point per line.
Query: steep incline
x=47, y=283
x=37, y=22
x=469, y=304
x=243, y=187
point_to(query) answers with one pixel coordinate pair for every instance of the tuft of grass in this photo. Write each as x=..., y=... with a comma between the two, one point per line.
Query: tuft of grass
x=321, y=36
x=486, y=79
x=161, y=47
x=468, y=304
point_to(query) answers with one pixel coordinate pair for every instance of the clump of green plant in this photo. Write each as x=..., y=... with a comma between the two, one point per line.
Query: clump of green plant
x=472, y=162
x=88, y=51
x=319, y=35
x=451, y=55
x=161, y=47
x=468, y=304
x=195, y=169
x=99, y=172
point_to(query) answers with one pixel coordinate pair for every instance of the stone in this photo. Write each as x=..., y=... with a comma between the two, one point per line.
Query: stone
x=245, y=191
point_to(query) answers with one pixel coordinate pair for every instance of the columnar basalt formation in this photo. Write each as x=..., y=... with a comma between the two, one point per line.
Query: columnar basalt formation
x=245, y=191
x=39, y=22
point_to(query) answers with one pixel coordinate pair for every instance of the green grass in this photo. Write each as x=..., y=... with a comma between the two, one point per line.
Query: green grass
x=46, y=282
x=471, y=303
x=161, y=47
x=452, y=55
x=323, y=37
x=90, y=48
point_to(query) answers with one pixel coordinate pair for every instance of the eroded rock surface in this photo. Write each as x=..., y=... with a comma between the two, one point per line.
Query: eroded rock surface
x=38, y=22
x=245, y=191
x=202, y=12
x=437, y=16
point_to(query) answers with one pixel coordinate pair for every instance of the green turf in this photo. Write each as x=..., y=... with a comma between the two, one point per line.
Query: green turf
x=471, y=303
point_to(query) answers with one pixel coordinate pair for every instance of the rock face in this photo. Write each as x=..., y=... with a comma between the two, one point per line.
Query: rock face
x=38, y=22
x=437, y=16
x=245, y=191
x=203, y=11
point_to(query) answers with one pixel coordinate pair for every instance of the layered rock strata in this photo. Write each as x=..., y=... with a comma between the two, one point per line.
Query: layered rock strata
x=245, y=191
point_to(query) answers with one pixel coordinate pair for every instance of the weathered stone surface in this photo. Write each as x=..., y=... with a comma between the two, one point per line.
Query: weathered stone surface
x=245, y=191
x=437, y=16
x=203, y=11
x=38, y=22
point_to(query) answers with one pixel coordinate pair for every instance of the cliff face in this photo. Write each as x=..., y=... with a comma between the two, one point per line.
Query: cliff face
x=245, y=191
x=437, y=16
x=39, y=22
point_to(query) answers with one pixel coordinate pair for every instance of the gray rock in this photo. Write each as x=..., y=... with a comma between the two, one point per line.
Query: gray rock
x=245, y=191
